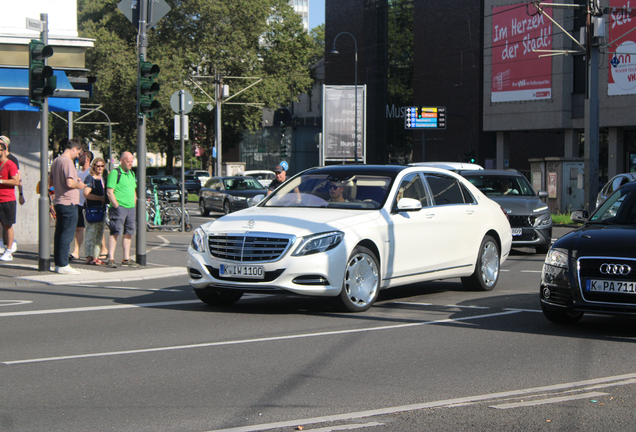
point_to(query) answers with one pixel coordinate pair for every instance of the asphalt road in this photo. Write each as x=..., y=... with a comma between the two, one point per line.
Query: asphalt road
x=148, y=356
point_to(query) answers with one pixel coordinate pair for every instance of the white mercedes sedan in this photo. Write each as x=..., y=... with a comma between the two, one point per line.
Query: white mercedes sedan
x=349, y=231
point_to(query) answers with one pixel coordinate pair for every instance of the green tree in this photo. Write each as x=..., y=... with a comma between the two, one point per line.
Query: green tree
x=235, y=38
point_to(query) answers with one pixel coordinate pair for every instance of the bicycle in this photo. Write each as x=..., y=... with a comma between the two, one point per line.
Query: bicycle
x=160, y=214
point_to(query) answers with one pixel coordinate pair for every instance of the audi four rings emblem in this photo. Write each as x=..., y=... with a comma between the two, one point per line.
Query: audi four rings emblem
x=615, y=269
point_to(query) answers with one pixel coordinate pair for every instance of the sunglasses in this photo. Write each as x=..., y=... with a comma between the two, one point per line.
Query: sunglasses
x=100, y=166
x=333, y=186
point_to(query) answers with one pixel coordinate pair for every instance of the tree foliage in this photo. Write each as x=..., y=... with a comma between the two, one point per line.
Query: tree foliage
x=197, y=38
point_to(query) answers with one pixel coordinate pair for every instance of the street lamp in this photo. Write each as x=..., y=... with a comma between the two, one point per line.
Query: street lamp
x=335, y=51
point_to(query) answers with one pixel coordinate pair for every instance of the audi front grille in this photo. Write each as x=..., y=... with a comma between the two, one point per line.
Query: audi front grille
x=247, y=248
x=596, y=268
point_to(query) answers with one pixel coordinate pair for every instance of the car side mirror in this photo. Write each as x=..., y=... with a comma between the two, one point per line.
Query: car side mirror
x=543, y=194
x=579, y=216
x=409, y=204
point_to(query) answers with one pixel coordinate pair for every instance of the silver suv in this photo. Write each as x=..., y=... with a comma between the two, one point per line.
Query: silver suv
x=529, y=217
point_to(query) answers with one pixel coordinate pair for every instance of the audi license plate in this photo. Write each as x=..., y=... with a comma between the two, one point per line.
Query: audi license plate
x=517, y=231
x=595, y=285
x=241, y=271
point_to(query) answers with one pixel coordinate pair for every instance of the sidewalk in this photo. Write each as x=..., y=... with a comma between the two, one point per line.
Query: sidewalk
x=24, y=269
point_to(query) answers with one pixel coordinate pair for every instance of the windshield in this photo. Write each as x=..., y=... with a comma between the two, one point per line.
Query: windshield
x=619, y=208
x=325, y=190
x=160, y=181
x=498, y=185
x=241, y=184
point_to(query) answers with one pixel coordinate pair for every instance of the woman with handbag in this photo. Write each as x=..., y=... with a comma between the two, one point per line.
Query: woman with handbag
x=95, y=194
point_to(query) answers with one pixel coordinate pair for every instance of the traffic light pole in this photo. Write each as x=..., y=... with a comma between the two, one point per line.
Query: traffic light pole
x=44, y=248
x=142, y=45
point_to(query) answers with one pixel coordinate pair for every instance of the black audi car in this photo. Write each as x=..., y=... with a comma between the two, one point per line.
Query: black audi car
x=593, y=268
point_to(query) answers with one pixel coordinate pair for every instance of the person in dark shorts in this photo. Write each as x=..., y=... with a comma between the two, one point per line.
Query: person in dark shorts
x=14, y=245
x=9, y=179
x=121, y=189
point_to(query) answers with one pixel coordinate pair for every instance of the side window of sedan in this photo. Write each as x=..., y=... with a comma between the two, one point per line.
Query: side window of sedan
x=413, y=187
x=446, y=190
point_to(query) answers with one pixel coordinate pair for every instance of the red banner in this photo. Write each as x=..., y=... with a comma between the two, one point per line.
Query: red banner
x=622, y=48
x=517, y=71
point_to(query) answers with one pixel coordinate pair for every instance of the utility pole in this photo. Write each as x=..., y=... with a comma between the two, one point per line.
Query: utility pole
x=218, y=94
x=44, y=248
x=142, y=46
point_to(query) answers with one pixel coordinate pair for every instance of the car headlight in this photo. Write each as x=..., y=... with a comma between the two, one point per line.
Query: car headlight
x=318, y=243
x=543, y=220
x=237, y=198
x=198, y=240
x=557, y=258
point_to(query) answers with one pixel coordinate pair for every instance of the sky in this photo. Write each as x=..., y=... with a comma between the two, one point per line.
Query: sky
x=316, y=13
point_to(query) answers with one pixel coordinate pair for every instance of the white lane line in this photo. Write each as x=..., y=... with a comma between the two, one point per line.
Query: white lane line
x=448, y=306
x=165, y=243
x=257, y=340
x=404, y=408
x=345, y=427
x=14, y=302
x=97, y=308
x=129, y=288
x=530, y=271
x=524, y=310
x=549, y=400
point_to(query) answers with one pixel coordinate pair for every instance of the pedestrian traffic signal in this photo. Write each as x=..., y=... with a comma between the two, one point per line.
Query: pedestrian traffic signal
x=148, y=88
x=283, y=130
x=470, y=156
x=42, y=83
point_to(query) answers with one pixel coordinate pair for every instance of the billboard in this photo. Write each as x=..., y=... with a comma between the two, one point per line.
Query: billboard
x=622, y=49
x=339, y=122
x=518, y=74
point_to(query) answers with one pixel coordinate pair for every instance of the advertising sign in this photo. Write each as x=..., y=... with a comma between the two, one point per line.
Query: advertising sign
x=425, y=118
x=622, y=50
x=339, y=122
x=517, y=72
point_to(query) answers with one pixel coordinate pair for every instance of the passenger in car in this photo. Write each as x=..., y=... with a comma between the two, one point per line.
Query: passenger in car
x=336, y=189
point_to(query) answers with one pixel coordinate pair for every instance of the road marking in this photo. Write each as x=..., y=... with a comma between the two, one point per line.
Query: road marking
x=97, y=308
x=165, y=243
x=530, y=271
x=346, y=427
x=609, y=381
x=549, y=400
x=448, y=306
x=129, y=288
x=14, y=302
x=234, y=342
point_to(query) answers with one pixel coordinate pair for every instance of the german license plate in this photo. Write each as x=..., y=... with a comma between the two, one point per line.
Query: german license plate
x=241, y=271
x=517, y=231
x=595, y=285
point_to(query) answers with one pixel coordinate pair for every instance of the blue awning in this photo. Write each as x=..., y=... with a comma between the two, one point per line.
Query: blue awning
x=19, y=78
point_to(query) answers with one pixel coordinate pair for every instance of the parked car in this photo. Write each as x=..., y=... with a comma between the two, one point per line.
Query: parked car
x=167, y=187
x=202, y=175
x=614, y=183
x=593, y=268
x=228, y=194
x=192, y=183
x=349, y=231
x=264, y=177
x=451, y=166
x=529, y=217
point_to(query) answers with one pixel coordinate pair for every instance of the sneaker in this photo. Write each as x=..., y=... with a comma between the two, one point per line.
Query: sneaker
x=111, y=264
x=67, y=269
x=6, y=256
x=129, y=263
x=14, y=246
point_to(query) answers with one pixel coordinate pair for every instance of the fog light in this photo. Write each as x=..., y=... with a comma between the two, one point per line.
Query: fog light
x=546, y=293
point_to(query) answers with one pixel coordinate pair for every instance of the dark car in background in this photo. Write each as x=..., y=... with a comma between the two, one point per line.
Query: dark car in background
x=167, y=187
x=228, y=194
x=614, y=183
x=192, y=183
x=593, y=268
x=529, y=217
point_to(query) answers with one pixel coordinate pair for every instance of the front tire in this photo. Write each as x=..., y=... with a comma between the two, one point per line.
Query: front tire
x=559, y=316
x=361, y=283
x=486, y=272
x=217, y=297
x=227, y=209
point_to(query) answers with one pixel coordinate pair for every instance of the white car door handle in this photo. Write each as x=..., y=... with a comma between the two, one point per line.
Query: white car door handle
x=470, y=212
x=430, y=215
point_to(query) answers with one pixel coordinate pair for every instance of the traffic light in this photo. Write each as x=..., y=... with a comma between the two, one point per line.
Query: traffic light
x=148, y=88
x=283, y=145
x=42, y=83
x=283, y=130
x=470, y=156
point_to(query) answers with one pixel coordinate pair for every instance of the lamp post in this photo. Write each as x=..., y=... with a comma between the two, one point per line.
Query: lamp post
x=335, y=51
